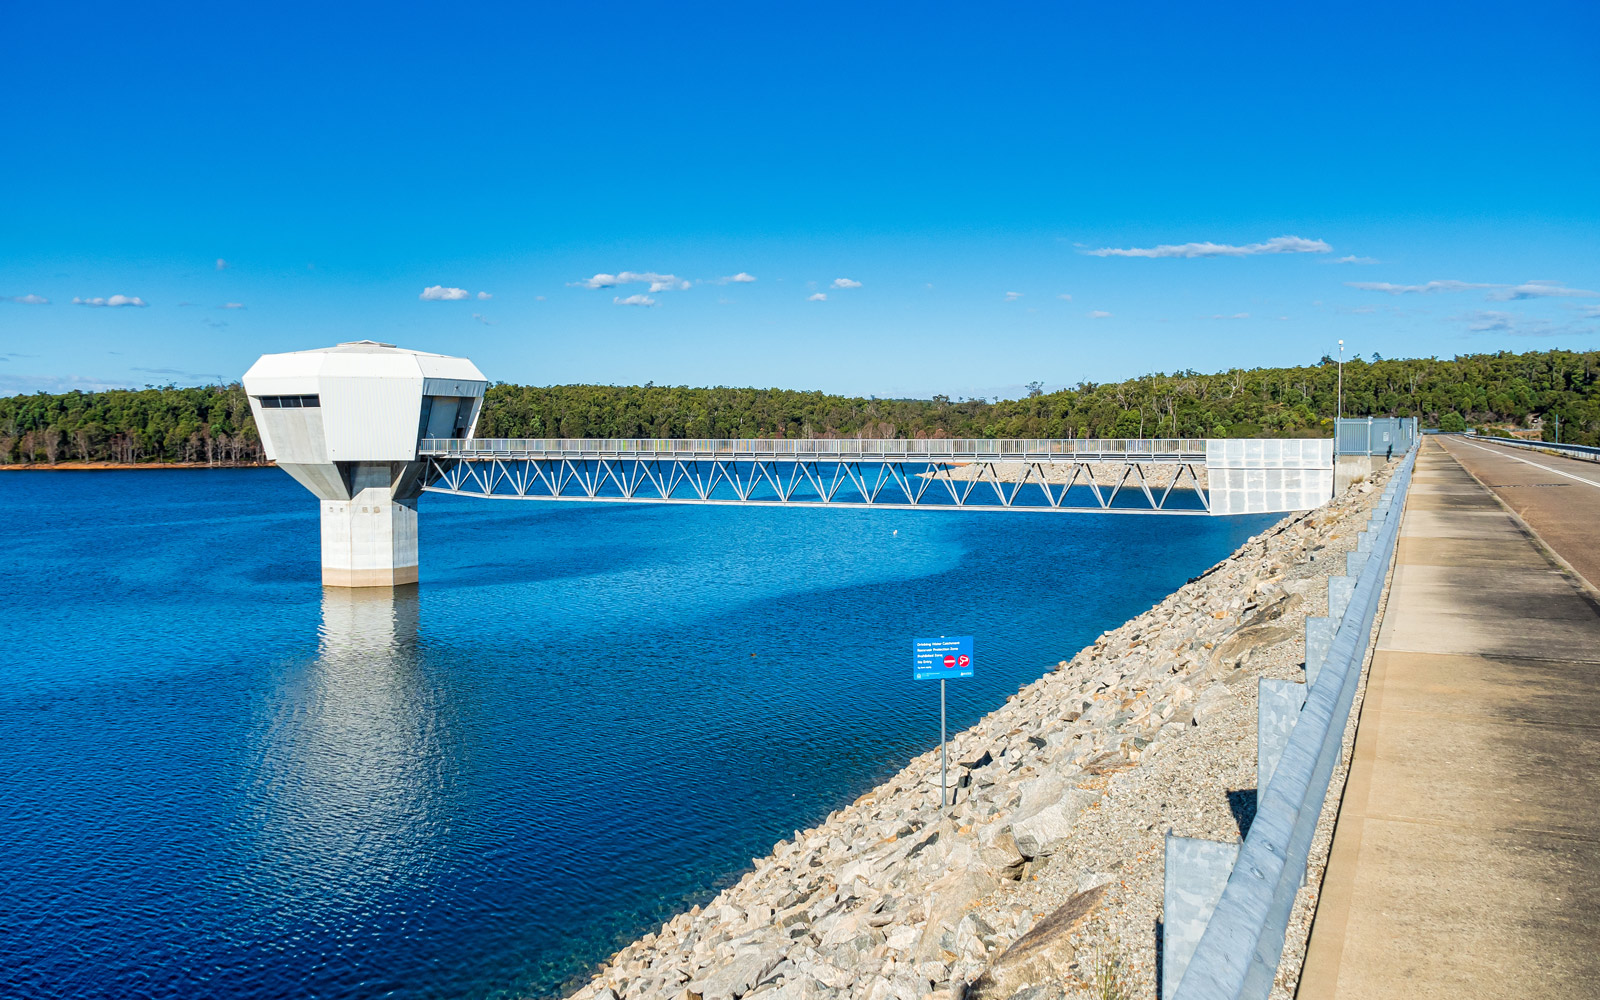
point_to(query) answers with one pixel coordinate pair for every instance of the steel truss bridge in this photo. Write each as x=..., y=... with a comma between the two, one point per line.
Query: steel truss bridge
x=951, y=474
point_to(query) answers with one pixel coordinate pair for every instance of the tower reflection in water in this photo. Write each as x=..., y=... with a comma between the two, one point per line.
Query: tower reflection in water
x=354, y=769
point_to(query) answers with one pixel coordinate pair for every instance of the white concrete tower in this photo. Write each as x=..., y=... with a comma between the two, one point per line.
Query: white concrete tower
x=345, y=422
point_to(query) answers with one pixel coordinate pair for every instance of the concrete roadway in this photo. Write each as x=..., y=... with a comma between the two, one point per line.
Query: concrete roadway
x=1559, y=498
x=1466, y=856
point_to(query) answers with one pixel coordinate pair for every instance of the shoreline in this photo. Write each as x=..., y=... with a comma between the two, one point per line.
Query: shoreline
x=1047, y=870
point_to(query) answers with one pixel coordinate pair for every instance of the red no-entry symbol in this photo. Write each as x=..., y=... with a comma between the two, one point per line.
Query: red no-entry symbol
x=950, y=661
x=963, y=660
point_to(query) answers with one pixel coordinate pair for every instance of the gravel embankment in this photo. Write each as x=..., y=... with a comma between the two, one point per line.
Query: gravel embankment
x=1047, y=870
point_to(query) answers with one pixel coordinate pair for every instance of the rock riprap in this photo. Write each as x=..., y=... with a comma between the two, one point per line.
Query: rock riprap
x=1048, y=868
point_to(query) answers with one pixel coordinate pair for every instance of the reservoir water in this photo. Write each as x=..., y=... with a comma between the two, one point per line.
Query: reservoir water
x=219, y=780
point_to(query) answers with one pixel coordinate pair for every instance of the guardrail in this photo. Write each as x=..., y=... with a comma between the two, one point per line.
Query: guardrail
x=1227, y=906
x=1584, y=452
x=891, y=449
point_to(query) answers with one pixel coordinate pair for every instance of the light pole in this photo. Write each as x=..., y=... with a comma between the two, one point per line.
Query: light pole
x=1339, y=406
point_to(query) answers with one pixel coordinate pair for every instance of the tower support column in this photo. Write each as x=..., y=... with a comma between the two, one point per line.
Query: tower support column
x=369, y=540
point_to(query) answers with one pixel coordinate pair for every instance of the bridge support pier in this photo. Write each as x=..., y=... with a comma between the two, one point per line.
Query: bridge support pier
x=369, y=540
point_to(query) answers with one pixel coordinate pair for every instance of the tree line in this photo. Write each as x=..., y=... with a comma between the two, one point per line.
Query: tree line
x=210, y=424
x=213, y=424
x=1467, y=391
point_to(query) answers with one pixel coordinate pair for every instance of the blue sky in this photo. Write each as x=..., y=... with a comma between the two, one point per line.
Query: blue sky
x=915, y=189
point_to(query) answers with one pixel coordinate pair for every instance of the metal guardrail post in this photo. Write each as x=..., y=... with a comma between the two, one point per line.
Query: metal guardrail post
x=1238, y=953
x=1278, y=705
x=1339, y=590
x=1196, y=873
x=1319, y=639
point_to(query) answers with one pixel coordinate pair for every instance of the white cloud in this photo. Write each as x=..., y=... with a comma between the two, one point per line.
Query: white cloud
x=633, y=300
x=222, y=265
x=1352, y=259
x=1507, y=324
x=845, y=283
x=657, y=282
x=1234, y=316
x=538, y=298
x=1489, y=321
x=233, y=305
x=1098, y=314
x=484, y=296
x=114, y=302
x=28, y=300
x=818, y=297
x=1541, y=290
x=1499, y=293
x=1422, y=289
x=735, y=279
x=1064, y=297
x=439, y=293
x=1278, y=244
x=481, y=318
x=1013, y=296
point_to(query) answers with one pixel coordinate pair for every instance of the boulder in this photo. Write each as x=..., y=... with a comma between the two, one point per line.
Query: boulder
x=1043, y=955
x=797, y=988
x=997, y=850
x=948, y=901
x=901, y=938
x=1240, y=646
x=978, y=761
x=1045, y=829
x=735, y=978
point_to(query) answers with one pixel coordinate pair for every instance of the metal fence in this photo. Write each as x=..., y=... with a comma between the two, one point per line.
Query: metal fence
x=953, y=449
x=1587, y=453
x=1375, y=435
x=1227, y=906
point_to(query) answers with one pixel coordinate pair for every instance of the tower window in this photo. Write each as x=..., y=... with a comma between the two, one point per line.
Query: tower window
x=288, y=402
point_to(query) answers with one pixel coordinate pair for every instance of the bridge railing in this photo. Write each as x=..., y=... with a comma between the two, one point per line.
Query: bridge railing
x=1587, y=453
x=960, y=449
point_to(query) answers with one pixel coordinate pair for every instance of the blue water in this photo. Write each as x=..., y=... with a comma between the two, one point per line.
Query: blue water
x=219, y=780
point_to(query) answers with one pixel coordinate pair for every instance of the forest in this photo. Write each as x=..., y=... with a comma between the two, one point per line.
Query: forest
x=213, y=425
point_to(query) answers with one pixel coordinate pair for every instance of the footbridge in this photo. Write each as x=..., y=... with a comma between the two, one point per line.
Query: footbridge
x=1149, y=476
x=369, y=427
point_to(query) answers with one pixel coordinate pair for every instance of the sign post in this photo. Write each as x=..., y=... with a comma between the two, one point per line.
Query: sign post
x=941, y=659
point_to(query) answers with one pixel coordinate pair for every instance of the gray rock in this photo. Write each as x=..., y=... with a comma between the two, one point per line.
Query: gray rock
x=1044, y=830
x=997, y=849
x=947, y=902
x=798, y=988
x=734, y=979
x=1043, y=955
x=981, y=760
